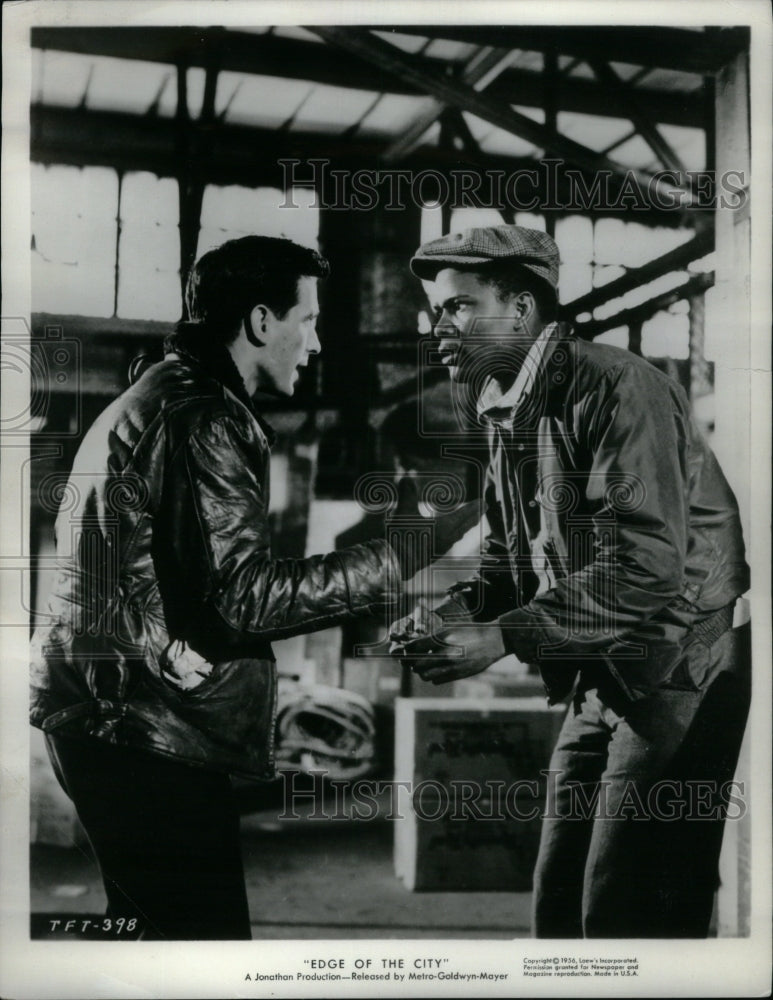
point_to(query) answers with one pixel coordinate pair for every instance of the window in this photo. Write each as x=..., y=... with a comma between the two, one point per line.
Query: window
x=74, y=231
x=616, y=338
x=76, y=243
x=233, y=211
x=149, y=249
x=667, y=333
x=467, y=218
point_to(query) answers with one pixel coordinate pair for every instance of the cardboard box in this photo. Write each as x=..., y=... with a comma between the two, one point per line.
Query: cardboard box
x=446, y=739
x=475, y=790
x=443, y=850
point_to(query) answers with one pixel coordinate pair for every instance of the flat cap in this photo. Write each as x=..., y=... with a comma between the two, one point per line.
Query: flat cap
x=531, y=248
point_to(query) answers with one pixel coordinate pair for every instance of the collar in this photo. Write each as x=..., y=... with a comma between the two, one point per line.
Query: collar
x=194, y=342
x=493, y=403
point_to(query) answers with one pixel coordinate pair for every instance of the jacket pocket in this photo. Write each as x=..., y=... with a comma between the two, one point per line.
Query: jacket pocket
x=185, y=670
x=234, y=707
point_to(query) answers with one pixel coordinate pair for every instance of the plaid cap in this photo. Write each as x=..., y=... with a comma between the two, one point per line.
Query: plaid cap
x=531, y=248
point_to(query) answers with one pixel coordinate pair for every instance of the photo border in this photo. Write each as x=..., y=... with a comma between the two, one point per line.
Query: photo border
x=60, y=969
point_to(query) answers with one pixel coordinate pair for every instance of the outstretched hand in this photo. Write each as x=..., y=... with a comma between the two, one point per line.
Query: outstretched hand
x=454, y=651
x=422, y=621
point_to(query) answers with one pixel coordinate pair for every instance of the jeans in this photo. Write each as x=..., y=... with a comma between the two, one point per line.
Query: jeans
x=166, y=837
x=636, y=804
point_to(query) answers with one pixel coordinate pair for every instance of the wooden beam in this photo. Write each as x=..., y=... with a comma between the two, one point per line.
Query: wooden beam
x=634, y=336
x=732, y=331
x=386, y=56
x=550, y=77
x=231, y=154
x=701, y=383
x=113, y=328
x=667, y=48
x=482, y=69
x=233, y=51
x=619, y=142
x=462, y=130
x=244, y=52
x=637, y=314
x=674, y=260
x=190, y=189
x=624, y=97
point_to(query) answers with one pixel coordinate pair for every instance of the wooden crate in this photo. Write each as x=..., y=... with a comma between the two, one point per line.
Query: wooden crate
x=470, y=819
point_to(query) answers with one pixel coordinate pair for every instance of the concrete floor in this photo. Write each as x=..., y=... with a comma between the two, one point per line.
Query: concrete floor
x=307, y=879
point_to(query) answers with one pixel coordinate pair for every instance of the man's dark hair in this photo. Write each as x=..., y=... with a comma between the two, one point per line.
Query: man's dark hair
x=226, y=283
x=508, y=279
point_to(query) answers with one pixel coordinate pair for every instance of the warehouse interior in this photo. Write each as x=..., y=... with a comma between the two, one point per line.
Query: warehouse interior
x=151, y=145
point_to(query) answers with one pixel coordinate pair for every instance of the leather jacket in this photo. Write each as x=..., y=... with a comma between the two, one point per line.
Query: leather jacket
x=614, y=535
x=164, y=536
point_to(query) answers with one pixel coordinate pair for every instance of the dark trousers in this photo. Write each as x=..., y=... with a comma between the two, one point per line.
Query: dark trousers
x=166, y=837
x=636, y=805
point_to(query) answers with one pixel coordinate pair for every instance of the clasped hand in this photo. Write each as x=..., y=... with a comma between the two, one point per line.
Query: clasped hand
x=441, y=652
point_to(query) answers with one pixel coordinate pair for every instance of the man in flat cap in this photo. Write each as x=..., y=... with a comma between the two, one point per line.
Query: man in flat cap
x=614, y=562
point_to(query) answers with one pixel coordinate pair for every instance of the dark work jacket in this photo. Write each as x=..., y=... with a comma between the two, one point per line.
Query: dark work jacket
x=613, y=532
x=164, y=536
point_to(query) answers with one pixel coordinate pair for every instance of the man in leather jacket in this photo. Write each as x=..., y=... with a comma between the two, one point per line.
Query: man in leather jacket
x=613, y=562
x=154, y=678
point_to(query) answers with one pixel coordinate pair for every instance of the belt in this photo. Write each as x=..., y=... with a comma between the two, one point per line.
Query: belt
x=733, y=615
